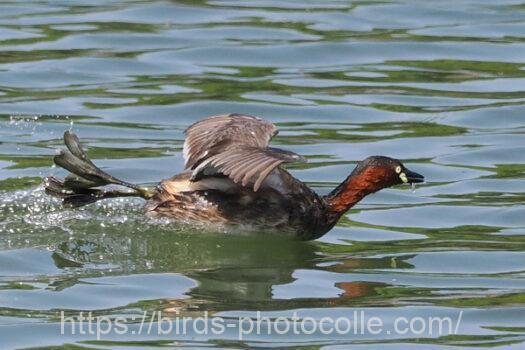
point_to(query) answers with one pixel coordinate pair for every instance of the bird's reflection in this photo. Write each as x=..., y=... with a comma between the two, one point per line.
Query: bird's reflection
x=233, y=272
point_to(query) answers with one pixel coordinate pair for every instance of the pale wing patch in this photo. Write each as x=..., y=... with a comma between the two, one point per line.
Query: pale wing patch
x=185, y=185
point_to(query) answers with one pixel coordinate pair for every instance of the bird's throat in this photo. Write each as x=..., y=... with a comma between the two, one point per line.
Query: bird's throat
x=353, y=189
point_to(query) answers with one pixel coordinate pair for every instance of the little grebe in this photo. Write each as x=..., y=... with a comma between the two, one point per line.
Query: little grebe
x=233, y=180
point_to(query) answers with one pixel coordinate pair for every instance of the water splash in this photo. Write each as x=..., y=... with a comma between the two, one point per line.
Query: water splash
x=24, y=123
x=25, y=214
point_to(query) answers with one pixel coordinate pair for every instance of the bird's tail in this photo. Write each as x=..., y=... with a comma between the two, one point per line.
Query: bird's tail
x=86, y=183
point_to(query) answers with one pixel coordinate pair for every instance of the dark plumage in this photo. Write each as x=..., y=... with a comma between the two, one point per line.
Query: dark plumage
x=233, y=181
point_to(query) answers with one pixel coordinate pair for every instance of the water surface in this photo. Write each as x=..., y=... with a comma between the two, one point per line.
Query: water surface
x=440, y=85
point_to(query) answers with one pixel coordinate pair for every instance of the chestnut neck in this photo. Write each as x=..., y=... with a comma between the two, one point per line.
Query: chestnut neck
x=356, y=186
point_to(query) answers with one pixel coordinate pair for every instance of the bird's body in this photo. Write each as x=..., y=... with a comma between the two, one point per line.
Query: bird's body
x=283, y=205
x=233, y=182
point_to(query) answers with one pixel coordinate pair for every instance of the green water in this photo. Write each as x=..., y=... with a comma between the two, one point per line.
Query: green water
x=440, y=85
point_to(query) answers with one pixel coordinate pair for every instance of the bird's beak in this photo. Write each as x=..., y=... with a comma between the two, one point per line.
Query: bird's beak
x=413, y=177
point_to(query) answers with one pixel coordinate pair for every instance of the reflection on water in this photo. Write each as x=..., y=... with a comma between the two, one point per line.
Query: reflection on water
x=438, y=85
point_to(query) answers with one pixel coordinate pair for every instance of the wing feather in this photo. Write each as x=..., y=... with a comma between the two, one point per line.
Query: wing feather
x=236, y=146
x=257, y=168
x=216, y=134
x=265, y=173
x=239, y=173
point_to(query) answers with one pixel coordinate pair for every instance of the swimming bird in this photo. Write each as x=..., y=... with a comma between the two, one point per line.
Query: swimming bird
x=233, y=181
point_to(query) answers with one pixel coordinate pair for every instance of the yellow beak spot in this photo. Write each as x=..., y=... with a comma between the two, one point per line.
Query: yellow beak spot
x=403, y=177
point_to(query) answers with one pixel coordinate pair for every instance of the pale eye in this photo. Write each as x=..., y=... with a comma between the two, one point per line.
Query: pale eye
x=398, y=169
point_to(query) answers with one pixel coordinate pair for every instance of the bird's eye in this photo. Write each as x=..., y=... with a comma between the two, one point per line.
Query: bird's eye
x=398, y=169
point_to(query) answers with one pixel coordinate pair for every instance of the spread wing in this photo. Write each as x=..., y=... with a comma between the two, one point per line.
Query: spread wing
x=234, y=145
